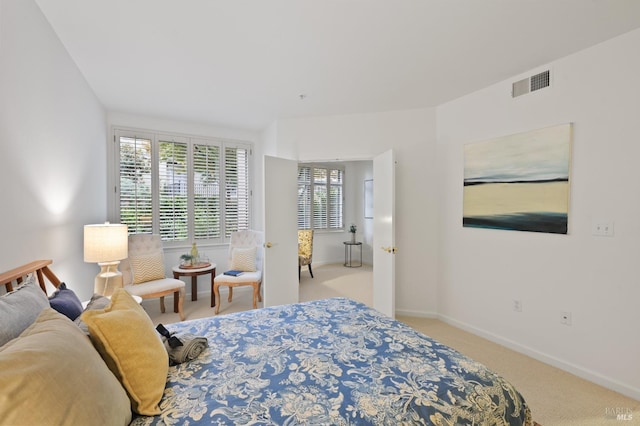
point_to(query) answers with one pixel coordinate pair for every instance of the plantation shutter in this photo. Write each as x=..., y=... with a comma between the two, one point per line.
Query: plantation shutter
x=319, y=198
x=206, y=191
x=304, y=198
x=182, y=188
x=136, y=199
x=236, y=178
x=173, y=190
x=335, y=199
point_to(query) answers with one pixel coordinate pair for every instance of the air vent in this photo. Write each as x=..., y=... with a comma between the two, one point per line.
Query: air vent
x=540, y=81
x=530, y=84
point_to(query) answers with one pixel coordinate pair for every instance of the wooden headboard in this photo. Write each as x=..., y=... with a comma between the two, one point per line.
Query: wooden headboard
x=39, y=267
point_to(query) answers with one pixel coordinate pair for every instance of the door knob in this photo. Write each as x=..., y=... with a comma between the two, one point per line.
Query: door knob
x=390, y=249
x=268, y=245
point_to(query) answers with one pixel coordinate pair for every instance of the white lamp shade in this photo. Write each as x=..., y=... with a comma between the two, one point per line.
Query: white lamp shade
x=106, y=242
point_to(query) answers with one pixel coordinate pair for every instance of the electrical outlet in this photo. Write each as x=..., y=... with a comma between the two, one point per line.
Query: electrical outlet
x=565, y=318
x=517, y=305
x=602, y=229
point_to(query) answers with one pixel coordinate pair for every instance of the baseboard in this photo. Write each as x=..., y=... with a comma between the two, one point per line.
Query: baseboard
x=334, y=262
x=569, y=367
x=417, y=314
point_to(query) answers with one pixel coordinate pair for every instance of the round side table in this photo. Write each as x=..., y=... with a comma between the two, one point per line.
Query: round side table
x=193, y=273
x=348, y=246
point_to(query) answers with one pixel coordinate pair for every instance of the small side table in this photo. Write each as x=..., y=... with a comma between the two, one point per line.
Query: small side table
x=193, y=273
x=348, y=246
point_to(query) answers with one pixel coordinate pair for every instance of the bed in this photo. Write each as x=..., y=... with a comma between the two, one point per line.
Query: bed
x=328, y=362
x=334, y=362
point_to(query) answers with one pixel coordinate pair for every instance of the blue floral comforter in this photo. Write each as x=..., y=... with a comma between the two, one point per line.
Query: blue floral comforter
x=329, y=362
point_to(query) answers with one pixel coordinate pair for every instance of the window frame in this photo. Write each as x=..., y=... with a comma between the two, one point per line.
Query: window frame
x=329, y=167
x=113, y=178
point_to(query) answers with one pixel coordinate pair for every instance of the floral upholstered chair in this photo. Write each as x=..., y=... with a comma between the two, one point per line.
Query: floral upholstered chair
x=305, y=249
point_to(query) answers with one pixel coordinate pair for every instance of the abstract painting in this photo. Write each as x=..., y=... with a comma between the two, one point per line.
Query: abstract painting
x=519, y=182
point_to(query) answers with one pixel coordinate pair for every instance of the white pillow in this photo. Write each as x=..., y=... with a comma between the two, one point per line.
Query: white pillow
x=243, y=259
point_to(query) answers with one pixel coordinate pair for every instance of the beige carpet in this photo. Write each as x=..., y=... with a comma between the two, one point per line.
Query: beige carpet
x=555, y=397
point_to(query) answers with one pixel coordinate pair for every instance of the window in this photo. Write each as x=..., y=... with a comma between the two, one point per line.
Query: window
x=173, y=189
x=320, y=197
x=182, y=188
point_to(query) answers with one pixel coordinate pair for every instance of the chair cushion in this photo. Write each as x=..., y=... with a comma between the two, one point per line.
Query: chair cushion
x=65, y=301
x=135, y=354
x=52, y=375
x=243, y=259
x=247, y=277
x=156, y=286
x=147, y=267
x=19, y=309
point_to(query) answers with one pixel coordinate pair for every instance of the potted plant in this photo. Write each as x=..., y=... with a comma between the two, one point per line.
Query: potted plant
x=186, y=260
x=352, y=230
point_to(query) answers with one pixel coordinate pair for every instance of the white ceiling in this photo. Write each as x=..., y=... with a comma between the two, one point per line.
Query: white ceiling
x=244, y=63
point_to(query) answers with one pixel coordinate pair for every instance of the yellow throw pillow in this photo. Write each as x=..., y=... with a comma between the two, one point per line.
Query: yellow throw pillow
x=147, y=267
x=125, y=337
x=51, y=374
x=243, y=259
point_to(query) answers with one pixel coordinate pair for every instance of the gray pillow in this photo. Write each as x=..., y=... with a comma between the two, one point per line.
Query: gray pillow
x=97, y=302
x=20, y=308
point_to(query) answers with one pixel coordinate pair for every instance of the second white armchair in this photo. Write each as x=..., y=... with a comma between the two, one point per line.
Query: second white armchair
x=245, y=255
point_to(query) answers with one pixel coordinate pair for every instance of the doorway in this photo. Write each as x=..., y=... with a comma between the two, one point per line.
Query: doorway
x=279, y=229
x=328, y=244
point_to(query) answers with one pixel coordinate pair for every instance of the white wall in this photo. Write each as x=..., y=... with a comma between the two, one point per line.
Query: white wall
x=267, y=146
x=356, y=173
x=164, y=124
x=362, y=136
x=596, y=278
x=53, y=151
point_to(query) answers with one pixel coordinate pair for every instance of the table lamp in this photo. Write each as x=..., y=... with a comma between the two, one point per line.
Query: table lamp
x=106, y=244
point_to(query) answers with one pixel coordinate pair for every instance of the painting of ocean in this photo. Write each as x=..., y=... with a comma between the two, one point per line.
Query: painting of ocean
x=519, y=182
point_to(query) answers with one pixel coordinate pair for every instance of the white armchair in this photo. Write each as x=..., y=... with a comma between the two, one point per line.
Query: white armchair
x=143, y=272
x=245, y=254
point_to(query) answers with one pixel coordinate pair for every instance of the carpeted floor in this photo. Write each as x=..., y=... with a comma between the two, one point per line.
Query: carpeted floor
x=554, y=396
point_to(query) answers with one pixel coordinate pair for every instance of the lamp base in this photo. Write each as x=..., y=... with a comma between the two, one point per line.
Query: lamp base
x=109, y=278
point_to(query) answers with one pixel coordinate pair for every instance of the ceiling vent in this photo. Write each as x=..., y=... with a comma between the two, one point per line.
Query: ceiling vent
x=530, y=84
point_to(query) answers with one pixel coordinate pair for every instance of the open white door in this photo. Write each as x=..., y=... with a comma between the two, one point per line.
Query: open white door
x=384, y=248
x=280, y=279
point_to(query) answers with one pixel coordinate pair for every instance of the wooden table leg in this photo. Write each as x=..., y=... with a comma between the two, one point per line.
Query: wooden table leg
x=194, y=288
